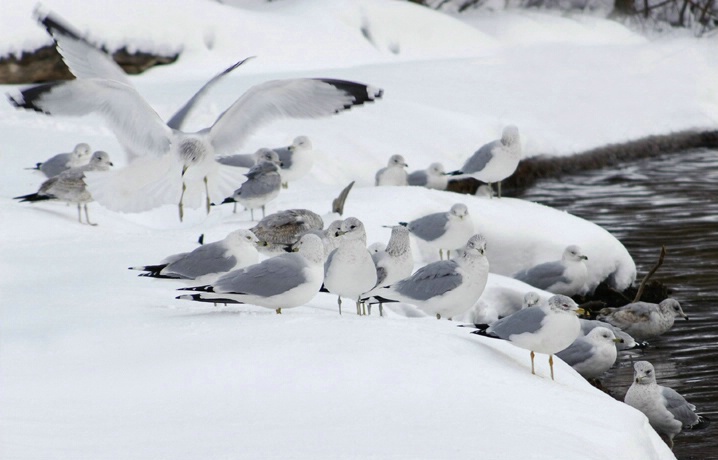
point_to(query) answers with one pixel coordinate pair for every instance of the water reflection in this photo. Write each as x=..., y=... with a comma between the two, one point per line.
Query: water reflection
x=671, y=201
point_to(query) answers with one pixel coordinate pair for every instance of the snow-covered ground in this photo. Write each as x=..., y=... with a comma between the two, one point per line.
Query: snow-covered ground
x=97, y=363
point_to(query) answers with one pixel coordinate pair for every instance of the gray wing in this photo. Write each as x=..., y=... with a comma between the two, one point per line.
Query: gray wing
x=628, y=315
x=579, y=351
x=328, y=262
x=381, y=271
x=527, y=320
x=285, y=156
x=378, y=175
x=259, y=186
x=681, y=409
x=179, y=118
x=208, y=258
x=285, y=227
x=268, y=278
x=55, y=165
x=429, y=227
x=543, y=275
x=430, y=281
x=480, y=158
x=84, y=59
x=242, y=160
x=277, y=99
x=418, y=178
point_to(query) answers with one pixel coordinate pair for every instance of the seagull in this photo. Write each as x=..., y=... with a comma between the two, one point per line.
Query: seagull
x=284, y=281
x=443, y=230
x=643, y=320
x=376, y=247
x=546, y=328
x=495, y=161
x=394, y=173
x=297, y=159
x=668, y=412
x=567, y=276
x=349, y=269
x=70, y=186
x=237, y=250
x=177, y=166
x=262, y=186
x=626, y=341
x=53, y=166
x=248, y=160
x=393, y=263
x=284, y=228
x=445, y=288
x=432, y=177
x=593, y=354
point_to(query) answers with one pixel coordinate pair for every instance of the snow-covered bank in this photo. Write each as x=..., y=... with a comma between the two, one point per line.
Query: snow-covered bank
x=98, y=363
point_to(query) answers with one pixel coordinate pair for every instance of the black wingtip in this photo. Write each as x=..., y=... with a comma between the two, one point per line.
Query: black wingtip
x=33, y=197
x=205, y=288
x=323, y=289
x=200, y=240
x=458, y=172
x=404, y=224
x=484, y=333
x=27, y=98
x=229, y=200
x=55, y=24
x=360, y=92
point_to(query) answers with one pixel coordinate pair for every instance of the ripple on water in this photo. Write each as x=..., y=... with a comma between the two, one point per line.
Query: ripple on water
x=673, y=201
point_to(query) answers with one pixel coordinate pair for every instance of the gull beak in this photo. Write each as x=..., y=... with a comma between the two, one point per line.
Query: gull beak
x=617, y=340
x=584, y=258
x=295, y=249
x=685, y=316
x=111, y=164
x=262, y=243
x=339, y=233
x=580, y=311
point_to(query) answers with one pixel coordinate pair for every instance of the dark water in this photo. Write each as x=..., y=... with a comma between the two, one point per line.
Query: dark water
x=671, y=201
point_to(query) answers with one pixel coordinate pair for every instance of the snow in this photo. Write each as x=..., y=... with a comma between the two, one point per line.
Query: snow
x=98, y=363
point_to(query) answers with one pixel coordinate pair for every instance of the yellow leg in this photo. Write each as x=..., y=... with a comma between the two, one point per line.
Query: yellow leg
x=181, y=206
x=279, y=310
x=438, y=316
x=550, y=364
x=339, y=301
x=441, y=254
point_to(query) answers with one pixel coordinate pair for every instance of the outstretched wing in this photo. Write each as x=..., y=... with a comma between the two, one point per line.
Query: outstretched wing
x=135, y=124
x=291, y=98
x=179, y=118
x=84, y=59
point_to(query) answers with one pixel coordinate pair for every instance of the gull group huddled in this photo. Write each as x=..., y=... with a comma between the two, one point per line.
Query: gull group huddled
x=288, y=257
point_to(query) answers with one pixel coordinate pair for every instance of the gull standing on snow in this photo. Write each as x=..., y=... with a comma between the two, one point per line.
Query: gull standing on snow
x=393, y=263
x=284, y=281
x=349, y=269
x=546, y=328
x=432, y=177
x=247, y=160
x=53, y=166
x=643, y=320
x=394, y=173
x=177, y=167
x=297, y=159
x=445, y=288
x=668, y=412
x=70, y=185
x=236, y=250
x=567, y=276
x=262, y=186
x=593, y=354
x=495, y=161
x=443, y=230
